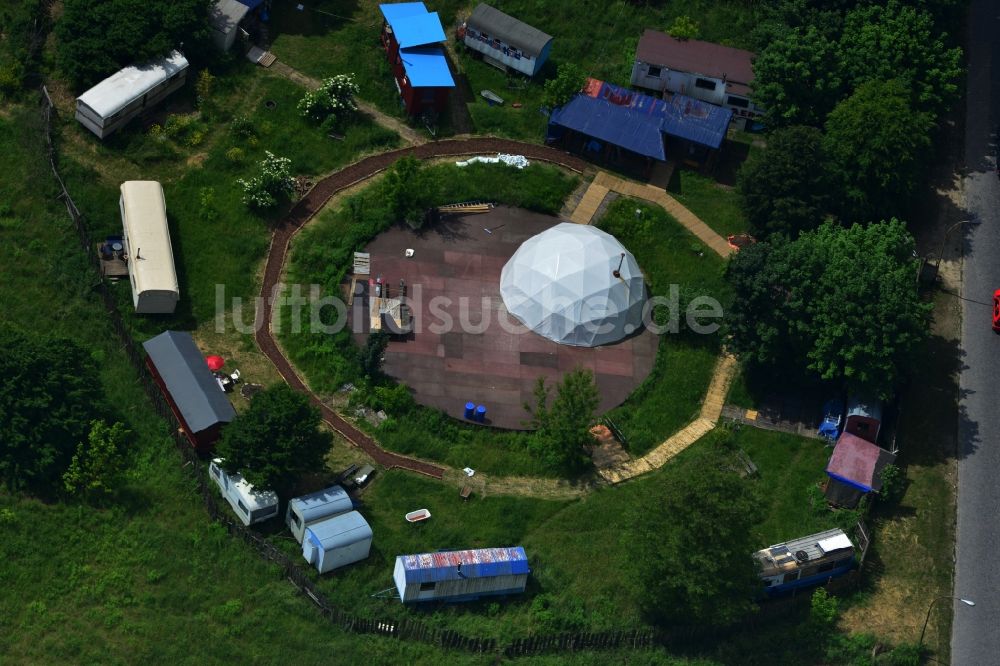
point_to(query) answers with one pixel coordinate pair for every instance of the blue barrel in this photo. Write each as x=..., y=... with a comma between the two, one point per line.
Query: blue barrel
x=470, y=410
x=481, y=413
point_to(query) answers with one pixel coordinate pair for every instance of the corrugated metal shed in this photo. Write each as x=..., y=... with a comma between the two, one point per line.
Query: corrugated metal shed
x=464, y=564
x=426, y=67
x=508, y=29
x=322, y=503
x=192, y=387
x=339, y=532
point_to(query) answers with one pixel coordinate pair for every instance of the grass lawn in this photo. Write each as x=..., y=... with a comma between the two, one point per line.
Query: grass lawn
x=912, y=558
x=149, y=578
x=717, y=206
x=669, y=255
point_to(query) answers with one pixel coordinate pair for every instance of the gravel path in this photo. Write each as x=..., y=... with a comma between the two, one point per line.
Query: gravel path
x=309, y=205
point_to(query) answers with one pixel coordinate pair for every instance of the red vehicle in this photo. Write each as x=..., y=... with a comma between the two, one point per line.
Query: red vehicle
x=996, y=311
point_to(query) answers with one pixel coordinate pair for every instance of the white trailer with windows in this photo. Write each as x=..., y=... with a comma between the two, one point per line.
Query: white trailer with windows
x=316, y=507
x=108, y=106
x=147, y=247
x=251, y=506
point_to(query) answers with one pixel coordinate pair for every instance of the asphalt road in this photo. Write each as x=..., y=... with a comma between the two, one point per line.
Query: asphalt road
x=975, y=637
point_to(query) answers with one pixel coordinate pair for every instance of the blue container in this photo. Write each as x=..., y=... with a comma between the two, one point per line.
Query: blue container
x=481, y=413
x=470, y=410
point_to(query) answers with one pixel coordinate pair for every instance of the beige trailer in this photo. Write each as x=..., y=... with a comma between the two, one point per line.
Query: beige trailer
x=148, y=252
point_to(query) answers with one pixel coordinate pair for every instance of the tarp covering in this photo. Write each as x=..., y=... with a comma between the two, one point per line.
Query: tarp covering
x=458, y=564
x=858, y=463
x=426, y=67
x=629, y=119
x=418, y=30
x=618, y=125
x=561, y=285
x=398, y=10
x=193, y=388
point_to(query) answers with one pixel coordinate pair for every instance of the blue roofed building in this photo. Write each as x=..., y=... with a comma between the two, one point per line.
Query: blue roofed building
x=412, y=37
x=617, y=124
x=461, y=575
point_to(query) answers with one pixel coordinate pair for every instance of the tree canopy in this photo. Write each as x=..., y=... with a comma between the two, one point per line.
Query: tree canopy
x=797, y=77
x=276, y=440
x=49, y=394
x=98, y=37
x=99, y=463
x=875, y=141
x=784, y=187
x=563, y=428
x=899, y=41
x=568, y=81
x=690, y=544
x=839, y=304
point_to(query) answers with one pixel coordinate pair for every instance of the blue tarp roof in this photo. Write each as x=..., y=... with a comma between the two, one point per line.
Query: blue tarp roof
x=252, y=4
x=397, y=10
x=624, y=117
x=193, y=388
x=418, y=30
x=459, y=564
x=338, y=532
x=426, y=67
x=619, y=125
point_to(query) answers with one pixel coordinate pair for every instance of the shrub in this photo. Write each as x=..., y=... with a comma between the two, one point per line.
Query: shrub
x=273, y=182
x=334, y=97
x=242, y=127
x=195, y=138
x=204, y=86
x=683, y=28
x=235, y=155
x=156, y=130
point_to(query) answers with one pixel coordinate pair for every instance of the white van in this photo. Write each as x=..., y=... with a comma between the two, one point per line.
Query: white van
x=251, y=506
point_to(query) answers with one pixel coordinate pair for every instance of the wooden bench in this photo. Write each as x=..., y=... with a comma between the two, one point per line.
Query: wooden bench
x=465, y=493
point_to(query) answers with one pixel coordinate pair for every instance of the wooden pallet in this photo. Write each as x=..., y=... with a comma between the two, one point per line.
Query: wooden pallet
x=467, y=207
x=362, y=263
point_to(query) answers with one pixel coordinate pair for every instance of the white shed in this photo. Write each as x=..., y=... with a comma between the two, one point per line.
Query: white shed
x=310, y=509
x=109, y=105
x=337, y=542
x=224, y=17
x=147, y=247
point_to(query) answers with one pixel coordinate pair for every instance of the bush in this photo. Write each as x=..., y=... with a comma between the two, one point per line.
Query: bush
x=683, y=28
x=274, y=182
x=334, y=98
x=235, y=155
x=242, y=127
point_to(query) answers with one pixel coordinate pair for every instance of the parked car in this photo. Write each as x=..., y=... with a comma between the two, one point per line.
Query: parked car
x=996, y=311
x=365, y=475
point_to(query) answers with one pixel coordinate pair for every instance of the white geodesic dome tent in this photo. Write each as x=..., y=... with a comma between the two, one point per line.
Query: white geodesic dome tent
x=561, y=284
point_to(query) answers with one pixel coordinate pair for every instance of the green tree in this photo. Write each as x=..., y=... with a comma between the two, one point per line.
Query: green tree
x=876, y=144
x=98, y=37
x=690, y=545
x=371, y=355
x=568, y=81
x=683, y=28
x=413, y=190
x=784, y=187
x=896, y=40
x=563, y=428
x=24, y=26
x=797, y=77
x=276, y=440
x=274, y=181
x=49, y=394
x=837, y=304
x=100, y=462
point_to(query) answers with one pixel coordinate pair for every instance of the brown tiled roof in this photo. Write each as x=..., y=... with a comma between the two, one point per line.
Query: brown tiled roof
x=695, y=56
